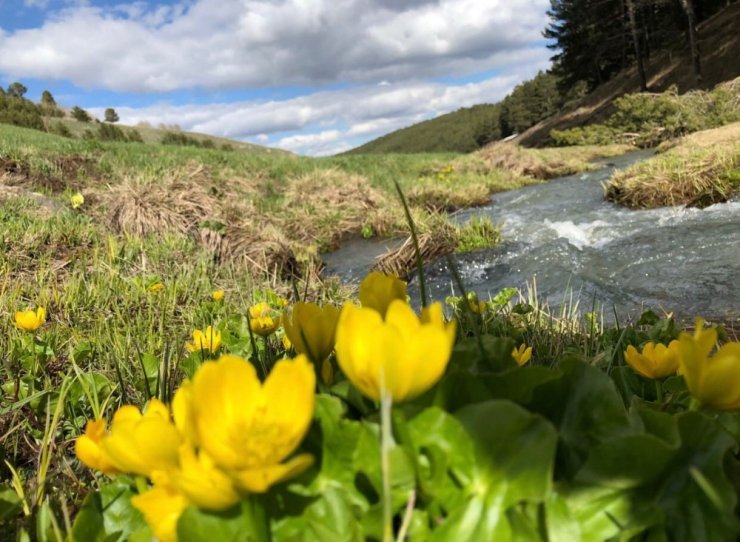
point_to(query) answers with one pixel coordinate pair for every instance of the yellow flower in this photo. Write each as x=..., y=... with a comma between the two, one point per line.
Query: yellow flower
x=210, y=341
x=377, y=291
x=156, y=287
x=286, y=343
x=161, y=507
x=715, y=380
x=201, y=482
x=522, y=355
x=30, y=320
x=312, y=329
x=89, y=451
x=77, y=200
x=403, y=355
x=261, y=320
x=218, y=295
x=142, y=444
x=478, y=307
x=656, y=360
x=248, y=428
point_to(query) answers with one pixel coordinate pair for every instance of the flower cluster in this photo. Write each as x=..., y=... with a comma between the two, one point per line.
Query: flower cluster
x=711, y=379
x=227, y=435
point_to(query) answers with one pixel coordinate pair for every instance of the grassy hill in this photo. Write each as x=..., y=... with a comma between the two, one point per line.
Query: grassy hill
x=453, y=132
x=457, y=131
x=152, y=135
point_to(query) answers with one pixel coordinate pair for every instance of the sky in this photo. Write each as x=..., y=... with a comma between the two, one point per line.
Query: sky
x=314, y=77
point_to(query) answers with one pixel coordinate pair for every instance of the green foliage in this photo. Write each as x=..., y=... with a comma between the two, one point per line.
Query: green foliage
x=593, y=40
x=47, y=99
x=17, y=90
x=478, y=233
x=111, y=115
x=20, y=112
x=59, y=128
x=647, y=119
x=80, y=114
x=178, y=138
x=593, y=134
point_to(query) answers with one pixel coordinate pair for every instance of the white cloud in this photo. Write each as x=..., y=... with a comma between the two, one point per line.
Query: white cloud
x=332, y=121
x=220, y=44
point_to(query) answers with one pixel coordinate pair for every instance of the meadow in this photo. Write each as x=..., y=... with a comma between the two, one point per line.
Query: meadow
x=175, y=365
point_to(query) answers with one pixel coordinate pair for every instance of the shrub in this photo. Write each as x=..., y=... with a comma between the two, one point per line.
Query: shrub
x=80, y=114
x=111, y=115
x=595, y=134
x=59, y=128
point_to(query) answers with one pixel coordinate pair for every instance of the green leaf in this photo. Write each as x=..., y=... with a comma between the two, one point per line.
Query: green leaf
x=234, y=525
x=107, y=515
x=10, y=504
x=514, y=454
x=446, y=457
x=585, y=407
x=698, y=498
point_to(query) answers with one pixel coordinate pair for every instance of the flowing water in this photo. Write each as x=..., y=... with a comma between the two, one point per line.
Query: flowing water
x=578, y=246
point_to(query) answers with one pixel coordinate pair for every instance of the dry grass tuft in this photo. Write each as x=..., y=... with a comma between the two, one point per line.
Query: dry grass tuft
x=437, y=237
x=139, y=208
x=698, y=170
x=545, y=163
x=438, y=198
x=331, y=201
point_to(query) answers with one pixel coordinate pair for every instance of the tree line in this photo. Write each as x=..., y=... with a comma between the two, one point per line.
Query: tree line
x=595, y=39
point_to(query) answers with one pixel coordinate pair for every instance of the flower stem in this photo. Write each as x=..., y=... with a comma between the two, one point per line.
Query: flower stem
x=659, y=391
x=386, y=442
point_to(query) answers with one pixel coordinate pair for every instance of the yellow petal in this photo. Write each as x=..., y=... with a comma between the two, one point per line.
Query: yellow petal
x=359, y=354
x=378, y=290
x=289, y=394
x=202, y=483
x=161, y=507
x=89, y=451
x=720, y=387
x=260, y=480
x=226, y=396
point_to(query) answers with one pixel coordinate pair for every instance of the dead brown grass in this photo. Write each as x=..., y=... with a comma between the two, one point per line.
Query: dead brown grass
x=438, y=198
x=324, y=206
x=698, y=170
x=545, y=163
x=436, y=236
x=139, y=207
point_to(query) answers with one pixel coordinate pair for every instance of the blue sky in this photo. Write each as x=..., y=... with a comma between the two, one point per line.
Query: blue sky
x=311, y=76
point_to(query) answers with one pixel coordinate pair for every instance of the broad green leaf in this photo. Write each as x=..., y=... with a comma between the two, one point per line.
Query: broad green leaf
x=238, y=524
x=107, y=515
x=585, y=408
x=10, y=503
x=514, y=453
x=696, y=495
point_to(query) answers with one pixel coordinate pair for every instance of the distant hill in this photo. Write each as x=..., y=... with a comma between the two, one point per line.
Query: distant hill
x=453, y=132
x=465, y=129
x=153, y=135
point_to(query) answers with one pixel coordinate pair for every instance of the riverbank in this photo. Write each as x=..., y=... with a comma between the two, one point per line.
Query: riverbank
x=696, y=170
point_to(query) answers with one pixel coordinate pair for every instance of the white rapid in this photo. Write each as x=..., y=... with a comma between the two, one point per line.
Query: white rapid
x=685, y=261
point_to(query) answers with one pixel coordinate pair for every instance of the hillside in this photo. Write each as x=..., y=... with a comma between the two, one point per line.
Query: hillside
x=152, y=135
x=719, y=43
x=453, y=132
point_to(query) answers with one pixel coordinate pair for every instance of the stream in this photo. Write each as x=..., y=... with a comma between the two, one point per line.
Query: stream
x=578, y=247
